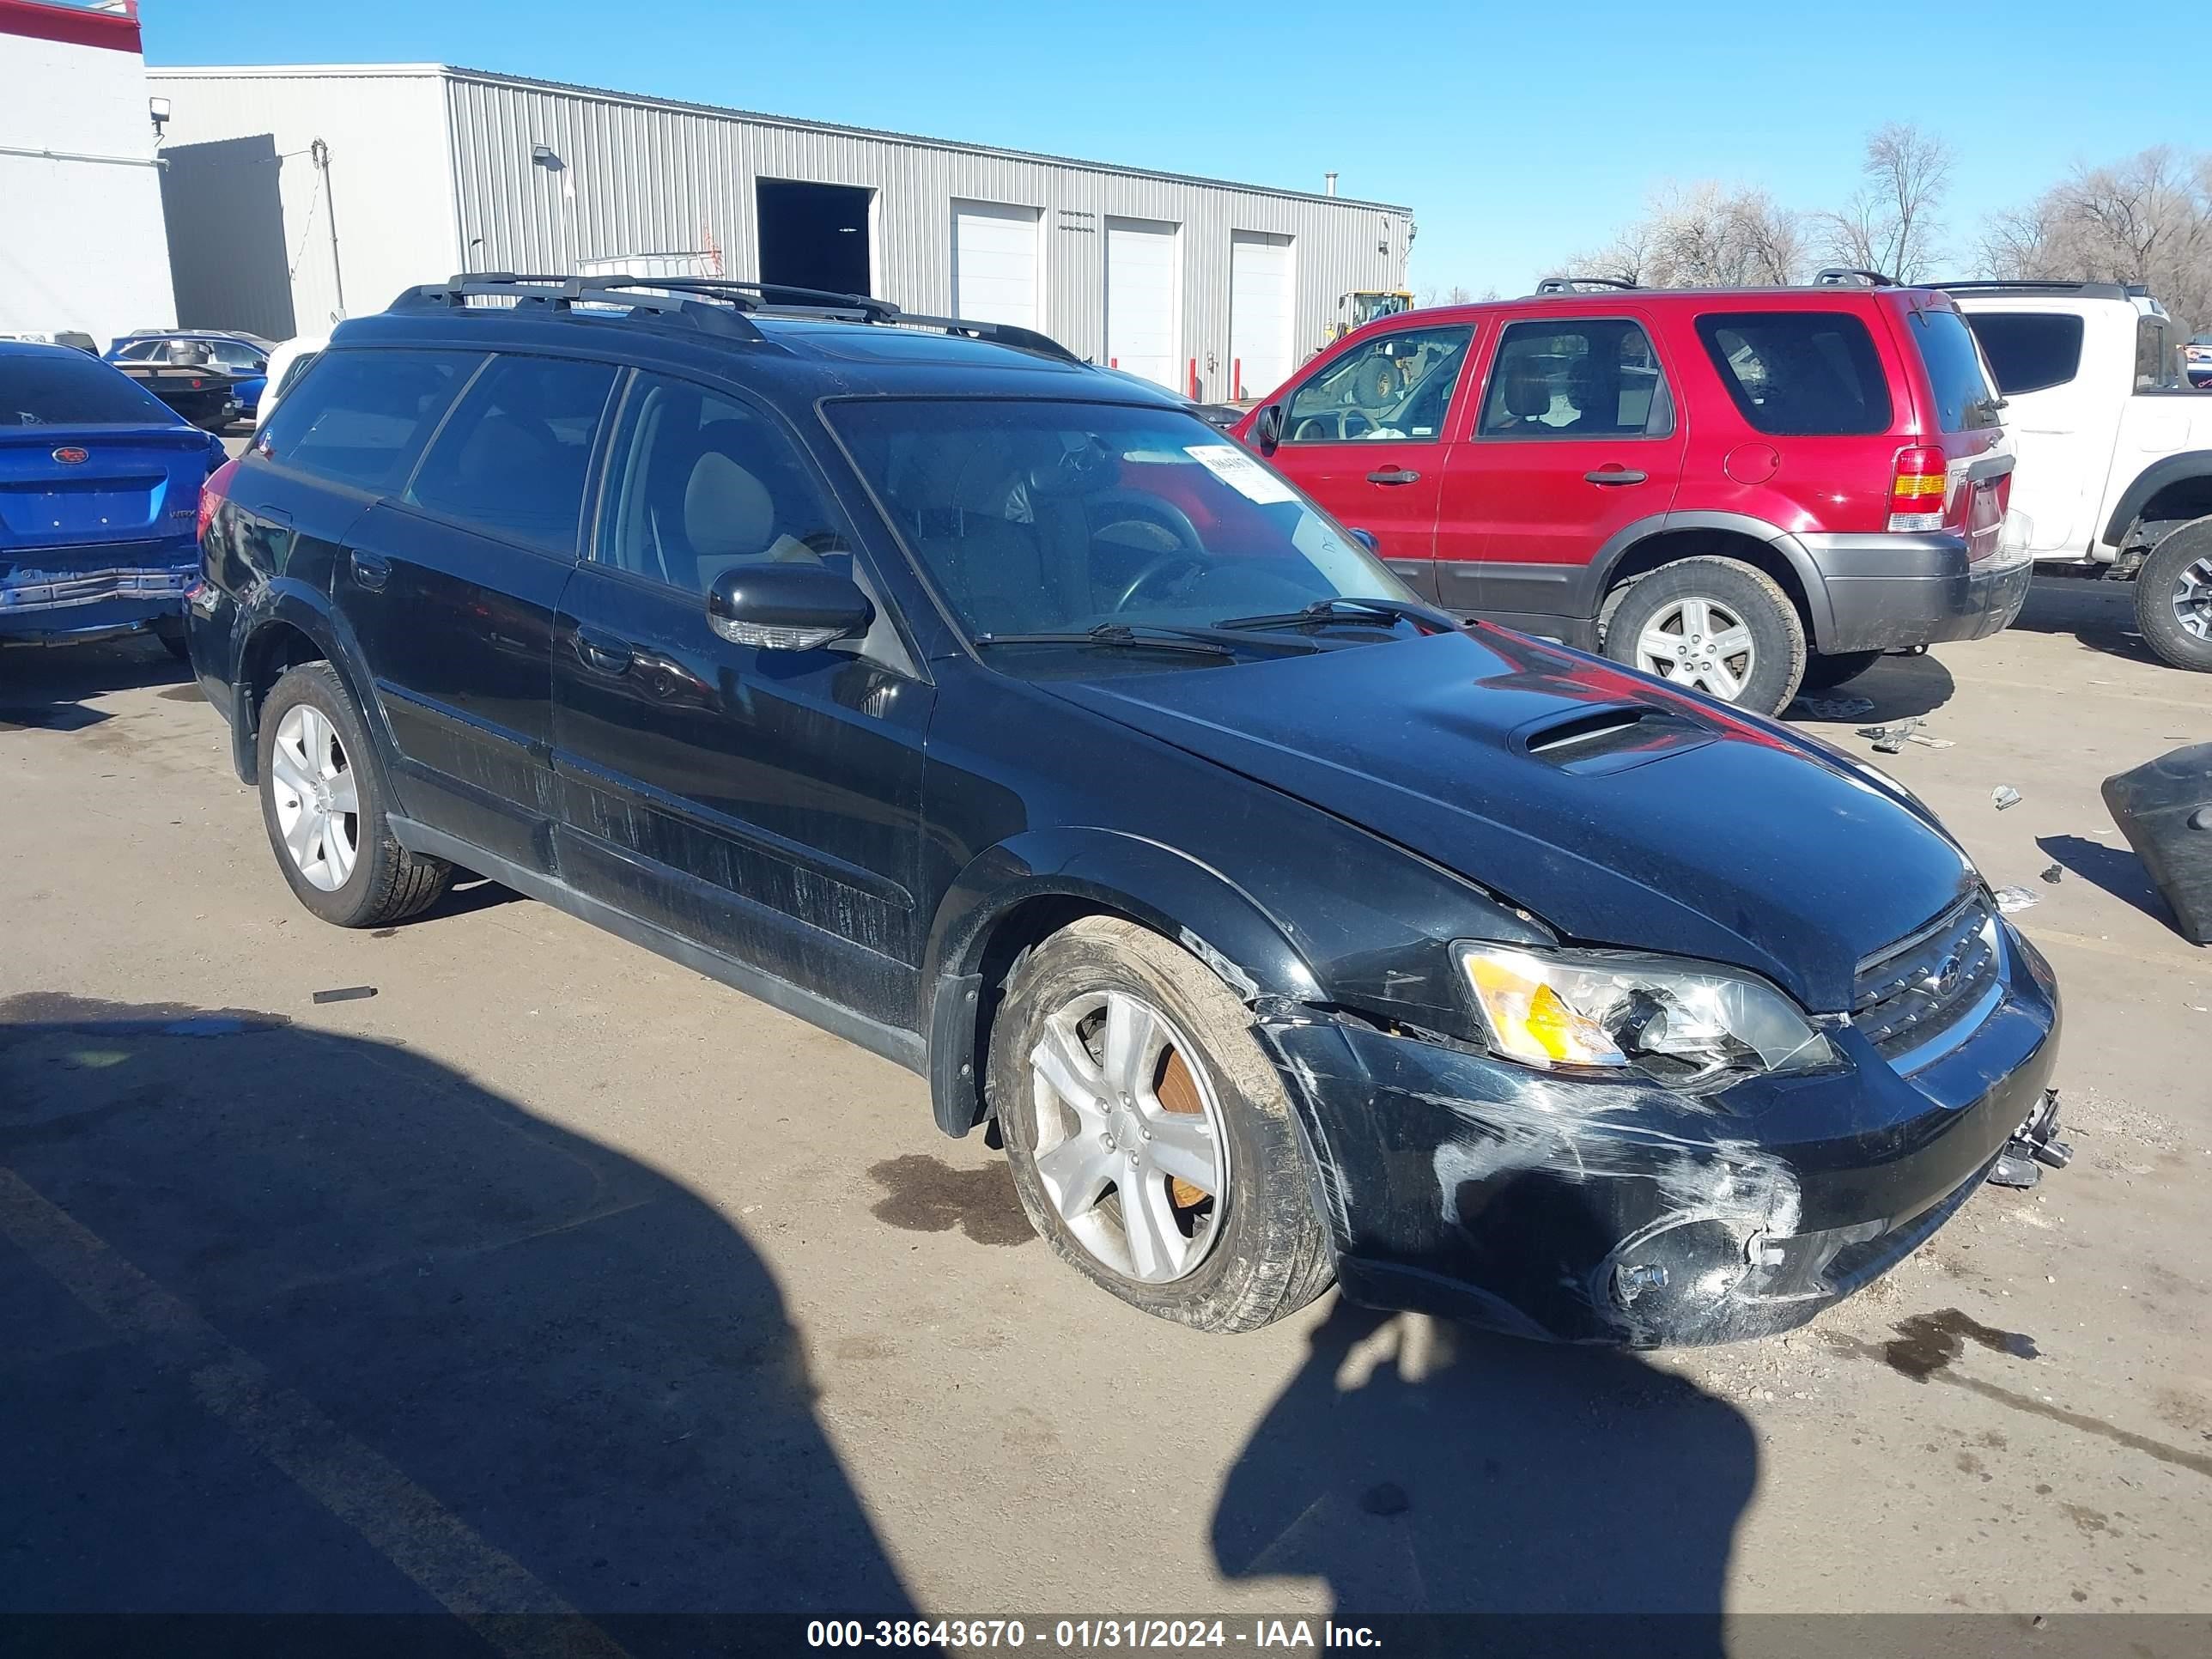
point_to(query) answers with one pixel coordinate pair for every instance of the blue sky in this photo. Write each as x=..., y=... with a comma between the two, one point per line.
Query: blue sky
x=1518, y=134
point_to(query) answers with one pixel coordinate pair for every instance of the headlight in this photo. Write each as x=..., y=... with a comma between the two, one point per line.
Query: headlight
x=1686, y=1024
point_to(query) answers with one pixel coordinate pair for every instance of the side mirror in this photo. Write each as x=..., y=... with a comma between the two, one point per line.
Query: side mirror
x=786, y=607
x=1365, y=538
x=1267, y=428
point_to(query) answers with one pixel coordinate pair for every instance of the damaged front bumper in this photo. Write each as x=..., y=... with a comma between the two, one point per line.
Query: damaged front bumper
x=1568, y=1210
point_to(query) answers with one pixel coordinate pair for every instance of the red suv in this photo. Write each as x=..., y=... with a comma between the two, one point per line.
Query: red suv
x=1745, y=490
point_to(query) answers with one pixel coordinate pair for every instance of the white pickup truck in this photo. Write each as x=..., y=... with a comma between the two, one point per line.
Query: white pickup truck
x=2115, y=447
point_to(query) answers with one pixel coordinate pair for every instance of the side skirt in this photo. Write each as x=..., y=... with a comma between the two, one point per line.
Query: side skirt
x=904, y=1049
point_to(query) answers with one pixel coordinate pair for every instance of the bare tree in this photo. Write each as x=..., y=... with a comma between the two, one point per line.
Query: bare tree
x=2146, y=220
x=1705, y=235
x=1890, y=225
x=1430, y=294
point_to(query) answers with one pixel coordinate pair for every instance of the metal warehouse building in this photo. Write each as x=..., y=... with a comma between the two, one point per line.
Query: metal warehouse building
x=296, y=195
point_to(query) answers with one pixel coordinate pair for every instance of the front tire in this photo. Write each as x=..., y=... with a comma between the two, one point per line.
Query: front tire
x=171, y=633
x=1713, y=625
x=1151, y=1143
x=2173, y=598
x=324, y=801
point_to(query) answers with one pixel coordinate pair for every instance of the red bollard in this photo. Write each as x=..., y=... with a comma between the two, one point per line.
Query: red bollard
x=1236, y=378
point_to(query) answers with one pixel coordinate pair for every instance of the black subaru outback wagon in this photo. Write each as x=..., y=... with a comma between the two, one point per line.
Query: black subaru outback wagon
x=998, y=713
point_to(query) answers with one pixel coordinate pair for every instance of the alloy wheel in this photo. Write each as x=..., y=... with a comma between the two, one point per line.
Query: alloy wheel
x=2192, y=598
x=1130, y=1142
x=1700, y=643
x=317, y=799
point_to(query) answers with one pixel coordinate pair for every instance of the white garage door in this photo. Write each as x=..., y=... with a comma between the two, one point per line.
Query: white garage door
x=994, y=263
x=1259, y=310
x=1143, y=282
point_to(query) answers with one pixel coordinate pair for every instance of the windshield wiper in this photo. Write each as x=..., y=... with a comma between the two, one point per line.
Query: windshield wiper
x=1119, y=635
x=1347, y=610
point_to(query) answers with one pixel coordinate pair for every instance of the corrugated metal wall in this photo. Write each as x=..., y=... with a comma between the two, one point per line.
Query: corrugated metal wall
x=636, y=177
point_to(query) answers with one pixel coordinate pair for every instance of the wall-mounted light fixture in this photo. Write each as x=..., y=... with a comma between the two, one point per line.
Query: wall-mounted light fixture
x=542, y=156
x=158, y=108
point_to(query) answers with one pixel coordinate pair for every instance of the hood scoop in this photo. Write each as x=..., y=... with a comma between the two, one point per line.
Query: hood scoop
x=1607, y=737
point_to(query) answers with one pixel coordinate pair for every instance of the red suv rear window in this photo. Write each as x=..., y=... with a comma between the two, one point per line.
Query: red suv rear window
x=1963, y=398
x=1800, y=373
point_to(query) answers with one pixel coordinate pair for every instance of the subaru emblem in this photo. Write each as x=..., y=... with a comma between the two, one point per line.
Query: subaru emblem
x=70, y=455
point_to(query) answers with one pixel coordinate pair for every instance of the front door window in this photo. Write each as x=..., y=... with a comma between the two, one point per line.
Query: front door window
x=1397, y=387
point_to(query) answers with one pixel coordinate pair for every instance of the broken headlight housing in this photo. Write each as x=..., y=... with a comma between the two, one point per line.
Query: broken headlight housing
x=1686, y=1024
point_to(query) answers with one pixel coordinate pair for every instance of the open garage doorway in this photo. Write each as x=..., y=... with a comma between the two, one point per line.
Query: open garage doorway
x=814, y=235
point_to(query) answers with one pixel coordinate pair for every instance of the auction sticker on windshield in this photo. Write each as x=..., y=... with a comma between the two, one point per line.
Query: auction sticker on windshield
x=1240, y=473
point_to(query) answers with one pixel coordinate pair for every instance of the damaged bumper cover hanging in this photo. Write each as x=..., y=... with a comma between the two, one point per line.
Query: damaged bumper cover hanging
x=1572, y=1209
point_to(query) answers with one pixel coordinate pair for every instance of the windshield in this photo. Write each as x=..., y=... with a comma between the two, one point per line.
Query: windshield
x=1033, y=517
x=68, y=388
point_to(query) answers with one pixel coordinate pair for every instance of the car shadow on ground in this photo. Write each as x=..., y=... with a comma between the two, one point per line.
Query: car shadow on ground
x=2100, y=615
x=1894, y=688
x=1416, y=1466
x=299, y=1321
x=2114, y=869
x=50, y=688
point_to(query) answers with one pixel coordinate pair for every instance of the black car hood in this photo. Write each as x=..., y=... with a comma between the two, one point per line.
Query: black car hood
x=1616, y=810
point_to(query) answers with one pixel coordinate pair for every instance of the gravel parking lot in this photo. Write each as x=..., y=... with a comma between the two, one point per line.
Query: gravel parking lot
x=551, y=1275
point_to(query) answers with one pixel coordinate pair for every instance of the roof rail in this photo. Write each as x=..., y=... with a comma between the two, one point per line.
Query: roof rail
x=680, y=295
x=1573, y=284
x=562, y=294
x=1850, y=276
x=2087, y=290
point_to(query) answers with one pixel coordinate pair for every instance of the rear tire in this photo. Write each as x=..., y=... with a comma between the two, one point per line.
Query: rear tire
x=1826, y=670
x=2173, y=598
x=324, y=800
x=1240, y=1257
x=1709, y=625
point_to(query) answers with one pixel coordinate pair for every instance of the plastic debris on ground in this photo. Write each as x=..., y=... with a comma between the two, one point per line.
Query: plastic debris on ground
x=346, y=993
x=2055, y=874
x=2004, y=795
x=2010, y=899
x=1890, y=739
x=1831, y=709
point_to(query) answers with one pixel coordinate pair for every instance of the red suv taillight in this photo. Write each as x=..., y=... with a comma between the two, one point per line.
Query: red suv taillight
x=213, y=493
x=1917, y=488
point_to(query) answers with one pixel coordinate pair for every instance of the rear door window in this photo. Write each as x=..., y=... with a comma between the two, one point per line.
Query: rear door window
x=1589, y=378
x=1964, y=401
x=1800, y=373
x=513, y=459
x=361, y=418
x=1397, y=387
x=2029, y=350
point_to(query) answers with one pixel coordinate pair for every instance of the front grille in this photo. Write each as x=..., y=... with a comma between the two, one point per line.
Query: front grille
x=1909, y=995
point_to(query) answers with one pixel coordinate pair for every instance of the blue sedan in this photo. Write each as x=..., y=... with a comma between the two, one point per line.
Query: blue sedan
x=100, y=498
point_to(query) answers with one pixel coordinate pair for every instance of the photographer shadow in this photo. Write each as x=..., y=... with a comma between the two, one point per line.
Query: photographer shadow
x=1417, y=1466
x=301, y=1322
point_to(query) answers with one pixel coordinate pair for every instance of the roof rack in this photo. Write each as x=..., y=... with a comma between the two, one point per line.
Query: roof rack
x=680, y=298
x=2086, y=291
x=1850, y=276
x=1575, y=284
x=533, y=292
